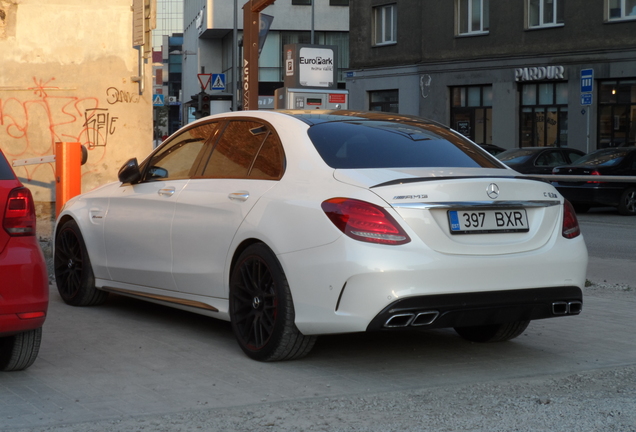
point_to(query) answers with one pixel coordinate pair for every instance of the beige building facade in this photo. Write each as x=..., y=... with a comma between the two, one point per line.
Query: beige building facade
x=69, y=73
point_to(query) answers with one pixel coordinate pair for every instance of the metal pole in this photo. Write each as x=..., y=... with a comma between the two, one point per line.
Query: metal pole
x=588, y=128
x=312, y=20
x=235, y=78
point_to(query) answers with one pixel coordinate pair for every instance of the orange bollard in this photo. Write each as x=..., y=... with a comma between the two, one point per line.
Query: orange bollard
x=68, y=172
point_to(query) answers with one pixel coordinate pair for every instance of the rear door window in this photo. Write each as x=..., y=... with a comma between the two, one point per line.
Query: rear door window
x=246, y=149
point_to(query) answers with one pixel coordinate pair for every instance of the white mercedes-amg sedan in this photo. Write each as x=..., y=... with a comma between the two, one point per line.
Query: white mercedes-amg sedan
x=293, y=224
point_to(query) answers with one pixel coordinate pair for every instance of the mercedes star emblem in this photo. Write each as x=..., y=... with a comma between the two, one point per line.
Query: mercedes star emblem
x=492, y=190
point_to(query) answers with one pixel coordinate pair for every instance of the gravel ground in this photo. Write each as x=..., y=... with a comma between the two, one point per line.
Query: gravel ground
x=599, y=400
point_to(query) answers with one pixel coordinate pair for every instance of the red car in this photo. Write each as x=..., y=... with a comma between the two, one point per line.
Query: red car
x=24, y=286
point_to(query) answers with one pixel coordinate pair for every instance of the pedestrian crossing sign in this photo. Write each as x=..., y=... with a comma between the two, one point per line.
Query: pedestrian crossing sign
x=218, y=81
x=157, y=100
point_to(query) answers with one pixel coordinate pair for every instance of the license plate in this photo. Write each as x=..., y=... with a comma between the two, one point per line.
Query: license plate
x=488, y=221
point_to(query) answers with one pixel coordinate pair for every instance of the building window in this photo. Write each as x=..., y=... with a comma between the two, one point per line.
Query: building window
x=620, y=9
x=471, y=112
x=338, y=2
x=384, y=100
x=301, y=2
x=617, y=113
x=545, y=13
x=472, y=17
x=544, y=115
x=385, y=24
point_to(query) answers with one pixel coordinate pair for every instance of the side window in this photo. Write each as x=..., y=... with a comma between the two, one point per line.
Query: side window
x=574, y=156
x=176, y=160
x=551, y=158
x=6, y=173
x=270, y=161
x=245, y=150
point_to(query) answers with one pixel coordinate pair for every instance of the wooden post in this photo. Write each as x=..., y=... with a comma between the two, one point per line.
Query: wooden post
x=251, y=24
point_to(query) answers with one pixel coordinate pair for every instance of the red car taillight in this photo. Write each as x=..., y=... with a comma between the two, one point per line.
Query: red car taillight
x=571, y=227
x=364, y=221
x=19, y=216
x=595, y=173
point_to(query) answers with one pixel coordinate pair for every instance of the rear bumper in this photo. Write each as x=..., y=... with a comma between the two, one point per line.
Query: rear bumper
x=481, y=308
x=24, y=287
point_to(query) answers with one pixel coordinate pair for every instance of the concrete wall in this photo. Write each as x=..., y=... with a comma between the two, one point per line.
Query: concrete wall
x=65, y=75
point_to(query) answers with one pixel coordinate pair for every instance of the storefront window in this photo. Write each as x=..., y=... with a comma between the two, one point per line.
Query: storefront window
x=544, y=115
x=617, y=113
x=471, y=113
x=384, y=100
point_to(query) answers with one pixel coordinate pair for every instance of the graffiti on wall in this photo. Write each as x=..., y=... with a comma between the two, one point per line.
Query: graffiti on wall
x=33, y=119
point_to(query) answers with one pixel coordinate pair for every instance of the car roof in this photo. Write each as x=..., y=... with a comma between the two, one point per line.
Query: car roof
x=313, y=117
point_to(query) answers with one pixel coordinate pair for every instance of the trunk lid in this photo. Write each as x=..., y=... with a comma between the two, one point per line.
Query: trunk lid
x=430, y=200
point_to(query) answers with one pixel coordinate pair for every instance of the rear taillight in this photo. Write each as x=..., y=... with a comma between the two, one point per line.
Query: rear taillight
x=364, y=221
x=19, y=215
x=595, y=173
x=571, y=227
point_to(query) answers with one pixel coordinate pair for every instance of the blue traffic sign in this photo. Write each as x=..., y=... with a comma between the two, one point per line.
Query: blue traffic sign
x=158, y=100
x=586, y=99
x=587, y=80
x=218, y=81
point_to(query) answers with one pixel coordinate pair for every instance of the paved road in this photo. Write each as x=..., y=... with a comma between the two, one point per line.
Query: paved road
x=611, y=245
x=130, y=360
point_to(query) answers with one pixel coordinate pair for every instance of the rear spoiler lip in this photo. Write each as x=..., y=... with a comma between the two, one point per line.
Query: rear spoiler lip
x=426, y=179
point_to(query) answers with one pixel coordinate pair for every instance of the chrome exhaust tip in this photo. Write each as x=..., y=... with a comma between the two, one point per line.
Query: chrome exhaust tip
x=425, y=318
x=399, y=320
x=559, y=308
x=575, y=307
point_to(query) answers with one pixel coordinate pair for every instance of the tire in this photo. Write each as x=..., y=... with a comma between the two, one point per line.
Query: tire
x=627, y=205
x=73, y=271
x=262, y=310
x=19, y=351
x=493, y=332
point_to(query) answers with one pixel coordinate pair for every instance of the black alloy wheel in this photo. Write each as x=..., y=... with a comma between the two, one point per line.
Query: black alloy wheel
x=262, y=310
x=627, y=205
x=73, y=272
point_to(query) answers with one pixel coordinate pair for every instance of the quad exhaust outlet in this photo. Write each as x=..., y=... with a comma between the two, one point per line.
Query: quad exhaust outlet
x=413, y=319
x=567, y=308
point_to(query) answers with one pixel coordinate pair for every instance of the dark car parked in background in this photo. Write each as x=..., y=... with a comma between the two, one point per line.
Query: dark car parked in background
x=492, y=149
x=538, y=160
x=618, y=161
x=24, y=287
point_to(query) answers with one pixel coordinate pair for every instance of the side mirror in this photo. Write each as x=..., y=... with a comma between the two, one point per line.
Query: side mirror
x=129, y=172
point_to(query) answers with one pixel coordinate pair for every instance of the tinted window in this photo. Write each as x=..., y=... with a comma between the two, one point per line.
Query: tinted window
x=574, y=156
x=605, y=157
x=176, y=159
x=235, y=154
x=269, y=163
x=551, y=158
x=382, y=144
x=515, y=156
x=5, y=169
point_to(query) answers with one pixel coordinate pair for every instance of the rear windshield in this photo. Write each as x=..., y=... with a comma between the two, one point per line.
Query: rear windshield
x=604, y=157
x=5, y=169
x=511, y=157
x=382, y=144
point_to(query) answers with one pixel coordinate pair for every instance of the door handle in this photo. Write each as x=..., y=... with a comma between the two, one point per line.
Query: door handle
x=166, y=191
x=239, y=196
